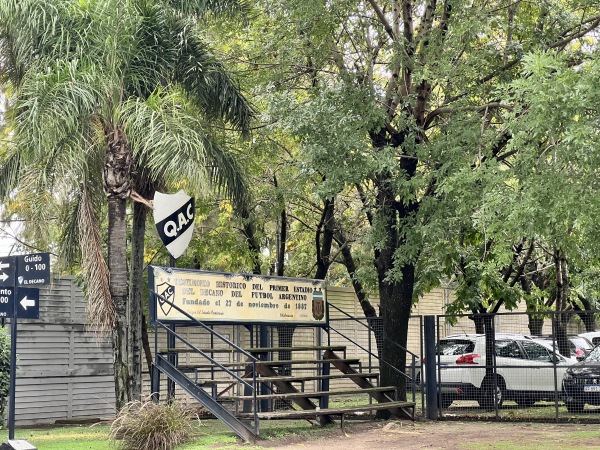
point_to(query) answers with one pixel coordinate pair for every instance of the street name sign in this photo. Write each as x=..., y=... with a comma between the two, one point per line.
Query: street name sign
x=7, y=270
x=33, y=269
x=28, y=302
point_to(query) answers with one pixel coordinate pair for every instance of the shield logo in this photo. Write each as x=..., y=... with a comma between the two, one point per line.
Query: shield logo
x=174, y=219
x=318, y=304
x=166, y=292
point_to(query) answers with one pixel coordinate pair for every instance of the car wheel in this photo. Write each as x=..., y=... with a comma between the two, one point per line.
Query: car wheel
x=526, y=402
x=574, y=406
x=492, y=394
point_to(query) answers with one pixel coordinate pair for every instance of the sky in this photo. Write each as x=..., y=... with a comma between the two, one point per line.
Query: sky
x=8, y=230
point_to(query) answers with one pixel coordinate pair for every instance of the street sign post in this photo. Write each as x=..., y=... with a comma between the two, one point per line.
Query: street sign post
x=20, y=302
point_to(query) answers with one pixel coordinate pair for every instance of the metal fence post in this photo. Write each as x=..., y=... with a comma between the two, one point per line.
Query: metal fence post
x=431, y=394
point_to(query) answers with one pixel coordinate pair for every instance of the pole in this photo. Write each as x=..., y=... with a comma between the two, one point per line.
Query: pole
x=13, y=368
x=431, y=393
x=172, y=358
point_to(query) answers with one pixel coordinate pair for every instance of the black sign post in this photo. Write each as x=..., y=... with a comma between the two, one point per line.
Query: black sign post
x=17, y=301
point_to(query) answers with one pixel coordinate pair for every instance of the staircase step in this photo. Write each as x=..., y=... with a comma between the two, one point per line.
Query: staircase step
x=257, y=350
x=291, y=379
x=299, y=414
x=242, y=365
x=317, y=394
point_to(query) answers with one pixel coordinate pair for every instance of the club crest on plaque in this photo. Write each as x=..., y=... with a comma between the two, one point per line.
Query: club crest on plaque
x=166, y=294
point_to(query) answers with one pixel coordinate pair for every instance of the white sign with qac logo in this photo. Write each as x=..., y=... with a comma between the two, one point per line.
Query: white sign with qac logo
x=174, y=219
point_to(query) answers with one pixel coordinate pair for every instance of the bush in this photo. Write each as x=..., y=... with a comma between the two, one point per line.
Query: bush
x=152, y=426
x=4, y=371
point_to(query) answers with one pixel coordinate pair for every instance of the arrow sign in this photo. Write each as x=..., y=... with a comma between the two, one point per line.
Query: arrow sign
x=7, y=271
x=28, y=303
x=25, y=302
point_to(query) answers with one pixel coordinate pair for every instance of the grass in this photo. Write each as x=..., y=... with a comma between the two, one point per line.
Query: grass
x=86, y=437
x=210, y=433
x=548, y=440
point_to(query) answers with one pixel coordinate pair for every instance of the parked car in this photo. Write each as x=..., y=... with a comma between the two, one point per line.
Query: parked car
x=581, y=383
x=579, y=345
x=524, y=370
x=592, y=336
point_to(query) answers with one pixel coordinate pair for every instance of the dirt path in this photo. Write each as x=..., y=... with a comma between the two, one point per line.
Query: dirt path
x=449, y=435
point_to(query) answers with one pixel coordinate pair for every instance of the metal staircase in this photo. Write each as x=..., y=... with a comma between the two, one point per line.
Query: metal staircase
x=242, y=389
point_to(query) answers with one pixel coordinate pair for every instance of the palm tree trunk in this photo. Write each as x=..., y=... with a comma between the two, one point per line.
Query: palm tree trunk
x=117, y=266
x=138, y=231
x=117, y=187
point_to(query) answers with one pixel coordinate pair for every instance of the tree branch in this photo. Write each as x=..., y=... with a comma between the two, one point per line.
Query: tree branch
x=381, y=16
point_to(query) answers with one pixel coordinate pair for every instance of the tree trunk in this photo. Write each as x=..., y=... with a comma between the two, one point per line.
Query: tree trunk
x=136, y=311
x=348, y=259
x=117, y=265
x=478, y=322
x=117, y=187
x=396, y=303
x=586, y=314
x=562, y=297
x=536, y=325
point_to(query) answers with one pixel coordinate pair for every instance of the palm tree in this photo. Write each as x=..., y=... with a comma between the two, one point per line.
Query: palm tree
x=106, y=87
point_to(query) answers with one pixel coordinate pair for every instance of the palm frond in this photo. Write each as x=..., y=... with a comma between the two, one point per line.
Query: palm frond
x=56, y=104
x=10, y=166
x=101, y=308
x=206, y=81
x=173, y=144
x=219, y=7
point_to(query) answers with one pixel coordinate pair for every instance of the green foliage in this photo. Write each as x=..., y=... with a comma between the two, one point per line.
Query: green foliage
x=4, y=371
x=152, y=426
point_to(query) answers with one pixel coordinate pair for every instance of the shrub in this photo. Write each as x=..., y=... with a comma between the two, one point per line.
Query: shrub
x=4, y=371
x=152, y=426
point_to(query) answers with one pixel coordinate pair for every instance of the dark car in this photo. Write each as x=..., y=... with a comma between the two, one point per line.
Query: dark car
x=581, y=383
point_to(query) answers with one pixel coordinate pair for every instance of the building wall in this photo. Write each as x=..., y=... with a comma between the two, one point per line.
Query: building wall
x=64, y=370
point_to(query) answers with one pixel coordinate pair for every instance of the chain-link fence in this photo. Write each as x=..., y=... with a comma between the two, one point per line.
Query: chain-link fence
x=517, y=365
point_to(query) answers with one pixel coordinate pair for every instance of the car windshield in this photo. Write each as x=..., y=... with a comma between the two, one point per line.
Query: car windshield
x=455, y=347
x=594, y=356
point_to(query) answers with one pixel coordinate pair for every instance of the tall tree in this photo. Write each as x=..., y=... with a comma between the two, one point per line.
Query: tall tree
x=123, y=83
x=406, y=101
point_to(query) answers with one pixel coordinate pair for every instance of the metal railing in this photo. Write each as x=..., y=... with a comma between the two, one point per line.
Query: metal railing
x=250, y=359
x=369, y=351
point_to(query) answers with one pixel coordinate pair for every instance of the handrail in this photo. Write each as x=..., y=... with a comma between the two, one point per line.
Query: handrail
x=368, y=327
x=371, y=353
x=214, y=333
x=212, y=360
x=252, y=359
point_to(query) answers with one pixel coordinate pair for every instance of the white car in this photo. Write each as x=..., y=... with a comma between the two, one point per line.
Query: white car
x=592, y=336
x=524, y=370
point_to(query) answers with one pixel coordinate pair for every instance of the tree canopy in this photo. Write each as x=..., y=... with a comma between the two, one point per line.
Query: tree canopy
x=397, y=144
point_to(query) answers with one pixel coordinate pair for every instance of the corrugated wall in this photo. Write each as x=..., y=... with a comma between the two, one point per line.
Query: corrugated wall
x=64, y=371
